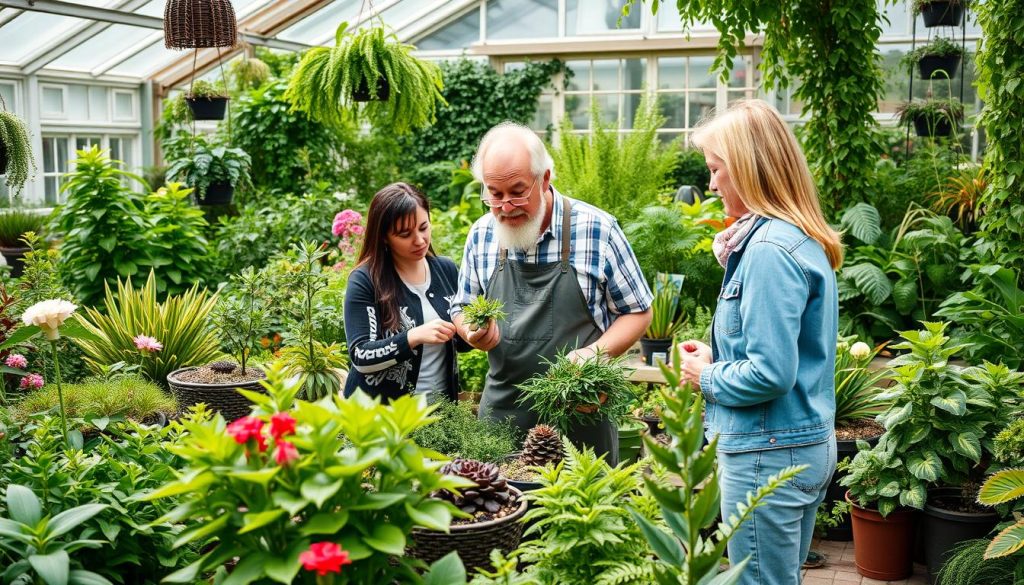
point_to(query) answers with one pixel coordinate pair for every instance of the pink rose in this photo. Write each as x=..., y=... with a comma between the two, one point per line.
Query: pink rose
x=16, y=360
x=31, y=381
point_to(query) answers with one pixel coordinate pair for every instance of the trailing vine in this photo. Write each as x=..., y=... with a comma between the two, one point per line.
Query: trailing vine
x=1000, y=67
x=829, y=48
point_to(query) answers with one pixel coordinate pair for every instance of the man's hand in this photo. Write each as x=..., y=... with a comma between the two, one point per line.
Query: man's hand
x=485, y=338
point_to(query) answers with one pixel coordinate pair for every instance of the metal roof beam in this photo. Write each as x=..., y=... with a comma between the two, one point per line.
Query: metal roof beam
x=9, y=15
x=86, y=12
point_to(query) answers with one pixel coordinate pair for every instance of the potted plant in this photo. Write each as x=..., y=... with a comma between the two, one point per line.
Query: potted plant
x=240, y=316
x=932, y=117
x=491, y=510
x=649, y=411
x=14, y=224
x=249, y=72
x=571, y=394
x=666, y=321
x=939, y=58
x=368, y=75
x=543, y=446
x=213, y=170
x=457, y=432
x=481, y=311
x=940, y=12
x=207, y=101
x=15, y=151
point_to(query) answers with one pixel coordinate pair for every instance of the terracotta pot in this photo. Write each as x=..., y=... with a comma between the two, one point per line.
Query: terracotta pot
x=836, y=492
x=592, y=408
x=881, y=546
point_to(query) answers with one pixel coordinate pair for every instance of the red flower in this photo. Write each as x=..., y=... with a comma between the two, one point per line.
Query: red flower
x=246, y=428
x=285, y=453
x=324, y=557
x=282, y=424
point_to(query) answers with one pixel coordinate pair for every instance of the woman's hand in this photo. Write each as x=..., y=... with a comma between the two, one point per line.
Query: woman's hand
x=694, y=356
x=436, y=331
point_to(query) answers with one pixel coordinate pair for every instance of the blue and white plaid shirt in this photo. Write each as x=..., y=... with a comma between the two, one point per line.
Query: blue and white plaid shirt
x=607, y=270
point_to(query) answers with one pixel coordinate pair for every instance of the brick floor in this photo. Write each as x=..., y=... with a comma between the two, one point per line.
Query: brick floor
x=841, y=570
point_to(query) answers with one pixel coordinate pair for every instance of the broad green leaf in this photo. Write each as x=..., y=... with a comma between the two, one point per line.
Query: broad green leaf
x=925, y=466
x=80, y=577
x=325, y=523
x=863, y=222
x=292, y=503
x=248, y=570
x=1007, y=542
x=20, y=335
x=431, y=514
x=53, y=568
x=870, y=280
x=202, y=531
x=261, y=477
x=968, y=445
x=663, y=544
x=731, y=575
x=256, y=520
x=378, y=501
x=319, y=488
x=896, y=416
x=68, y=519
x=955, y=403
x=197, y=483
x=387, y=539
x=448, y=570
x=284, y=568
x=23, y=505
x=1004, y=486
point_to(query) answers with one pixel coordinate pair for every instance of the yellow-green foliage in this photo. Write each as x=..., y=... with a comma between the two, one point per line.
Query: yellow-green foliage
x=180, y=323
x=129, y=396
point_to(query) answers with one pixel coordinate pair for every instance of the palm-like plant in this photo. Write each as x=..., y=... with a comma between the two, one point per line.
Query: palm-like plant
x=325, y=80
x=666, y=319
x=960, y=199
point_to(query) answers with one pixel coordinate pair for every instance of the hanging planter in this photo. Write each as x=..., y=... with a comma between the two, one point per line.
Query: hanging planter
x=333, y=84
x=213, y=170
x=206, y=101
x=16, y=162
x=941, y=12
x=938, y=59
x=194, y=24
x=932, y=117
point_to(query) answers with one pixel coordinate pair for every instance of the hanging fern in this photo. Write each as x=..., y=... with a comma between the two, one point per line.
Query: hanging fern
x=14, y=138
x=324, y=81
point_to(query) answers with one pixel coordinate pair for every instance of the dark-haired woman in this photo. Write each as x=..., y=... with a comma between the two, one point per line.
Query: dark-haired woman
x=400, y=336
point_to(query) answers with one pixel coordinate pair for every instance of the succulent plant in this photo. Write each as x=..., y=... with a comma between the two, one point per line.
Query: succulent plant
x=543, y=445
x=491, y=491
x=481, y=310
x=222, y=367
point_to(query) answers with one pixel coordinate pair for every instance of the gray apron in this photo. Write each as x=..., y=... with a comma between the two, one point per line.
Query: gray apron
x=546, y=314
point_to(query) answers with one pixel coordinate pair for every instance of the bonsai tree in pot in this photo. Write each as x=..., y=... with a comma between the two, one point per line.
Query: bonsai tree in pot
x=208, y=101
x=666, y=321
x=938, y=58
x=932, y=117
x=16, y=162
x=368, y=75
x=940, y=12
x=213, y=170
x=578, y=393
x=14, y=224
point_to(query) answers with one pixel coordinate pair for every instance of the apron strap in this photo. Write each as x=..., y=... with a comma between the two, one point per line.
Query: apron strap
x=566, y=225
x=503, y=257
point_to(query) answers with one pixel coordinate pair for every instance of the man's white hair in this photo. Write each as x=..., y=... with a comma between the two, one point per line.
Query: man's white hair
x=540, y=159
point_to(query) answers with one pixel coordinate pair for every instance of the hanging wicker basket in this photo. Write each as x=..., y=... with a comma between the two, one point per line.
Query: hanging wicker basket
x=190, y=24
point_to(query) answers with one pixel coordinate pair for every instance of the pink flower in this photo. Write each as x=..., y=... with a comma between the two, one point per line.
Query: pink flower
x=147, y=344
x=282, y=424
x=246, y=428
x=16, y=360
x=32, y=381
x=324, y=557
x=285, y=453
x=345, y=223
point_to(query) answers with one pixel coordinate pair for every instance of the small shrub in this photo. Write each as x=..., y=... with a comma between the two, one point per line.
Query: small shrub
x=128, y=396
x=458, y=433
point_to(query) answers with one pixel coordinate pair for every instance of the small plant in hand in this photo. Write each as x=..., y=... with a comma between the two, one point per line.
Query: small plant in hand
x=479, y=313
x=489, y=498
x=572, y=393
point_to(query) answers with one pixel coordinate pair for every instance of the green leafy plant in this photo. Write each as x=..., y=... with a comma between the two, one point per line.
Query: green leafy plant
x=960, y=197
x=990, y=316
x=15, y=223
x=935, y=111
x=481, y=310
x=967, y=565
x=473, y=367
x=827, y=518
x=325, y=80
x=296, y=473
x=201, y=89
x=879, y=478
x=178, y=245
x=180, y=323
x=1009, y=444
x=618, y=173
x=690, y=504
x=458, y=433
x=937, y=47
x=571, y=393
x=17, y=150
x=249, y=72
x=856, y=384
x=128, y=397
x=240, y=314
x=41, y=278
x=210, y=162
x=666, y=317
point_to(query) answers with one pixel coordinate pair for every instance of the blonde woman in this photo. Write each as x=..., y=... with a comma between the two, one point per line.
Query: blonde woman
x=768, y=377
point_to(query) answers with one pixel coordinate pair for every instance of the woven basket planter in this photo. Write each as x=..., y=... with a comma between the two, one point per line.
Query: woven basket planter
x=223, y=398
x=473, y=542
x=191, y=24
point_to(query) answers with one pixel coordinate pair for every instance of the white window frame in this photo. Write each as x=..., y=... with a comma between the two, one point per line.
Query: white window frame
x=72, y=137
x=63, y=114
x=113, y=105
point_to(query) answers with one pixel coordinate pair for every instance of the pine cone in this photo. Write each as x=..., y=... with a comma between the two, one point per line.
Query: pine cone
x=491, y=491
x=222, y=367
x=543, y=445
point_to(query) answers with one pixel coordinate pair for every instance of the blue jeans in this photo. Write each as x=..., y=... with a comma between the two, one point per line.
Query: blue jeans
x=778, y=535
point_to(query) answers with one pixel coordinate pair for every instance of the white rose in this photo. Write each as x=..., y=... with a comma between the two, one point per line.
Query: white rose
x=860, y=350
x=49, y=316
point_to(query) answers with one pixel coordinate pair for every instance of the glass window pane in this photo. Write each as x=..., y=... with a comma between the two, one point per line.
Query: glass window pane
x=456, y=35
x=608, y=108
x=53, y=101
x=322, y=24
x=577, y=107
x=126, y=153
x=606, y=75
x=895, y=19
x=545, y=112
x=30, y=32
x=522, y=19
x=701, y=103
x=99, y=108
x=630, y=103
x=49, y=165
x=668, y=17
x=7, y=93
x=673, y=108
x=123, y=107
x=78, y=102
x=740, y=75
x=634, y=73
x=101, y=48
x=50, y=188
x=598, y=19
x=701, y=75
x=147, y=61
x=115, y=149
x=62, y=155
x=581, y=75
x=671, y=72
x=84, y=142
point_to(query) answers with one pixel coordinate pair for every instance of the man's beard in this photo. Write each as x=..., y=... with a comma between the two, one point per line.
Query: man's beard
x=522, y=237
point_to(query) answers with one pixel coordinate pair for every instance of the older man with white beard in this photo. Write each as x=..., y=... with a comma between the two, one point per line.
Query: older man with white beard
x=563, y=269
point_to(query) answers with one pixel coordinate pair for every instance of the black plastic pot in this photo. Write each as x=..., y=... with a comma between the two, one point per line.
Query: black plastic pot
x=3, y=159
x=15, y=259
x=932, y=66
x=362, y=92
x=219, y=193
x=653, y=425
x=943, y=527
x=655, y=349
x=837, y=493
x=943, y=13
x=211, y=108
x=938, y=125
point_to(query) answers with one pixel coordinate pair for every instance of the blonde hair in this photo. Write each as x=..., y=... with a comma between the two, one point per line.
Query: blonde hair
x=769, y=170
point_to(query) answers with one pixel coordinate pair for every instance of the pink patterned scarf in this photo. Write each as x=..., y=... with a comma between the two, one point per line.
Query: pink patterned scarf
x=728, y=239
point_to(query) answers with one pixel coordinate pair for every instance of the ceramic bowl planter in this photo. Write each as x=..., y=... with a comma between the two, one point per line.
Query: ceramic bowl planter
x=222, y=397
x=15, y=258
x=932, y=126
x=944, y=525
x=882, y=545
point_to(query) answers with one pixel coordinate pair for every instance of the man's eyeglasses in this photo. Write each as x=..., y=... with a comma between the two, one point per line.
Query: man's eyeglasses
x=494, y=203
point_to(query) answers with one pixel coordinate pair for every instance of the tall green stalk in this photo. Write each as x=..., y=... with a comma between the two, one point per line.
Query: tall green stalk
x=60, y=392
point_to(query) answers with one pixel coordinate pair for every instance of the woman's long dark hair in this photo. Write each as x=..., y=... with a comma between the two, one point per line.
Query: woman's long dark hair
x=392, y=209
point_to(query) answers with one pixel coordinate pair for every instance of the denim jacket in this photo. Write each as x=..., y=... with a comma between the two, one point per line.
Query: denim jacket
x=771, y=383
